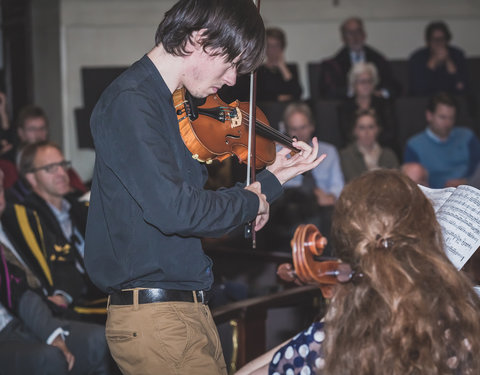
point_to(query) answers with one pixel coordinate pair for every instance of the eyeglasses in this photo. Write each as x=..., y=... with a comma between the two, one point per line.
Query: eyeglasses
x=53, y=167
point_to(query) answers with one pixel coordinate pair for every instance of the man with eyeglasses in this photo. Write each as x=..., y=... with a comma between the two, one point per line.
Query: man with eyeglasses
x=333, y=71
x=63, y=217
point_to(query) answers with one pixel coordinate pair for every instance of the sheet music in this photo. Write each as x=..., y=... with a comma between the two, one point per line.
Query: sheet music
x=437, y=196
x=459, y=217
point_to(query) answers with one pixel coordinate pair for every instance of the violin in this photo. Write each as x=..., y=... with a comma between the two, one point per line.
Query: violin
x=307, y=246
x=216, y=130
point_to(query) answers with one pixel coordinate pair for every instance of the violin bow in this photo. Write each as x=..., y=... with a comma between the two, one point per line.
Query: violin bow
x=251, y=173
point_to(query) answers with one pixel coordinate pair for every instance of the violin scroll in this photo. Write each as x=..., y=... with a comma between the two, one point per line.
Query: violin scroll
x=308, y=243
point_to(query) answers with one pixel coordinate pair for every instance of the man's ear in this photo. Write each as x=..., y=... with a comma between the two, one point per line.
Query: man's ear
x=428, y=116
x=30, y=177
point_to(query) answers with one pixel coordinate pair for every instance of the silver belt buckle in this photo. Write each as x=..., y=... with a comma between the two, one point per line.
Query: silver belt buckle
x=202, y=296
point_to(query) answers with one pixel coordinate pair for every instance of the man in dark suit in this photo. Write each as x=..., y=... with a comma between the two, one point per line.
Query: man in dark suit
x=334, y=71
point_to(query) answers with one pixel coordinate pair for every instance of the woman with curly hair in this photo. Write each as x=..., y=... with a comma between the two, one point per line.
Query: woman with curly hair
x=410, y=312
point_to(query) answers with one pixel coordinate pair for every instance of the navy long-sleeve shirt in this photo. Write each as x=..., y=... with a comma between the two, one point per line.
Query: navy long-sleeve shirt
x=148, y=208
x=425, y=81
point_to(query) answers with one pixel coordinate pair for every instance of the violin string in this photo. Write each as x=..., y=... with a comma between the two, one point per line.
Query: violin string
x=275, y=134
x=268, y=129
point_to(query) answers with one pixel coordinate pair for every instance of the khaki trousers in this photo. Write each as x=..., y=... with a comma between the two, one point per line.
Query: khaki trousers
x=164, y=338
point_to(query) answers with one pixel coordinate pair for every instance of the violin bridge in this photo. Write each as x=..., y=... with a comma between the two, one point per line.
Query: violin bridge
x=235, y=117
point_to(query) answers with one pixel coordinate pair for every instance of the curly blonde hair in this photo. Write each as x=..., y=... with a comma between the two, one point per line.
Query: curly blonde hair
x=412, y=312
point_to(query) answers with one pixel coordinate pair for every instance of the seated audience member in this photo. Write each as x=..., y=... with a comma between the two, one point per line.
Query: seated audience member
x=276, y=80
x=407, y=310
x=327, y=177
x=438, y=66
x=63, y=218
x=364, y=153
x=416, y=172
x=32, y=340
x=22, y=236
x=450, y=154
x=308, y=197
x=333, y=71
x=32, y=127
x=362, y=79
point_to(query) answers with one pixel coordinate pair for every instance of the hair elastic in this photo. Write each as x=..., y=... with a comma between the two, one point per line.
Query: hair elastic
x=383, y=242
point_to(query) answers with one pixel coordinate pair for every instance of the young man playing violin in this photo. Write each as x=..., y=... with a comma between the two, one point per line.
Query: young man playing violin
x=148, y=208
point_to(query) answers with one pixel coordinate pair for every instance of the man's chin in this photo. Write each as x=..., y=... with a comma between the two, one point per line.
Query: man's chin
x=64, y=190
x=203, y=93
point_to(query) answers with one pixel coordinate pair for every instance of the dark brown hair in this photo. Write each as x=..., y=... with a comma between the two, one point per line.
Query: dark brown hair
x=441, y=98
x=29, y=152
x=234, y=28
x=412, y=312
x=437, y=25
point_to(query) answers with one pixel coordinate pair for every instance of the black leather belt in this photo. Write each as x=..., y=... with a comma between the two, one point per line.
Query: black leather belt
x=125, y=297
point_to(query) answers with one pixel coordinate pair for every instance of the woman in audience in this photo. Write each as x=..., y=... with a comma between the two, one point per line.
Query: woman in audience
x=277, y=80
x=362, y=80
x=364, y=153
x=407, y=310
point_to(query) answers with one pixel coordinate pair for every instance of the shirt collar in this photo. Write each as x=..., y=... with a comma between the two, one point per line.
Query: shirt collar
x=357, y=56
x=434, y=137
x=63, y=212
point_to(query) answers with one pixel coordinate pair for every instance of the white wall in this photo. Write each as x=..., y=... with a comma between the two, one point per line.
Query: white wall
x=118, y=32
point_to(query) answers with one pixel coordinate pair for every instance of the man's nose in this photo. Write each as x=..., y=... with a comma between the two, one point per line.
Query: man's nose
x=230, y=76
x=61, y=170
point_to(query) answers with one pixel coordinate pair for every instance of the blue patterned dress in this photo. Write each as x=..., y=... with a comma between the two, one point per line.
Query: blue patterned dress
x=303, y=355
